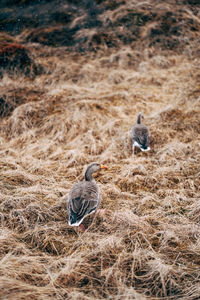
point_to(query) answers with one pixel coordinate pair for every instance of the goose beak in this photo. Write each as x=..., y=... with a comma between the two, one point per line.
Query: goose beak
x=104, y=167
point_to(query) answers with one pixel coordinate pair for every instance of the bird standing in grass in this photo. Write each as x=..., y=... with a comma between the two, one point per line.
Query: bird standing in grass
x=84, y=197
x=140, y=135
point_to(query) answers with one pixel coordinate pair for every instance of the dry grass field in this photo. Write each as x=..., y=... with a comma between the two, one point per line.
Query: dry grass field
x=79, y=108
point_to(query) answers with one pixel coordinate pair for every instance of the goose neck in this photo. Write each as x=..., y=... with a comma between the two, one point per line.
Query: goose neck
x=88, y=174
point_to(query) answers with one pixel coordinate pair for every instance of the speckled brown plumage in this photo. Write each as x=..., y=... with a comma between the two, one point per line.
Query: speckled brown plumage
x=140, y=135
x=84, y=197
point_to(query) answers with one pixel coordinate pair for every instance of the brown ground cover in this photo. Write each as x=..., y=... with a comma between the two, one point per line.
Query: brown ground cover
x=81, y=109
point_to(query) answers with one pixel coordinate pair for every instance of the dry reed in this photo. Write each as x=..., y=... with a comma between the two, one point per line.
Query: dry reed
x=147, y=245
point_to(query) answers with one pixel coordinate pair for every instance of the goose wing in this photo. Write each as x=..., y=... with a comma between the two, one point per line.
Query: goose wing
x=84, y=198
x=140, y=134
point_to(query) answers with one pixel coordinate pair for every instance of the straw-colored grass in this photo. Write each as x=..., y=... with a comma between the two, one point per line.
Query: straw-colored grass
x=147, y=244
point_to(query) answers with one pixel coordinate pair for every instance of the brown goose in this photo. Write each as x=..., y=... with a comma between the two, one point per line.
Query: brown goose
x=84, y=197
x=140, y=135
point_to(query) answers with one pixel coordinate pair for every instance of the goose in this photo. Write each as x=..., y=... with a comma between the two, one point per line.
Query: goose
x=140, y=135
x=84, y=197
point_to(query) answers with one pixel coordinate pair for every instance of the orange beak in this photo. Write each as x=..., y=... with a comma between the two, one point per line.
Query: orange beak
x=104, y=167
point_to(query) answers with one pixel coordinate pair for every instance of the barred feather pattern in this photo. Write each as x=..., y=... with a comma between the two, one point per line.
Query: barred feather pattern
x=84, y=198
x=140, y=136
